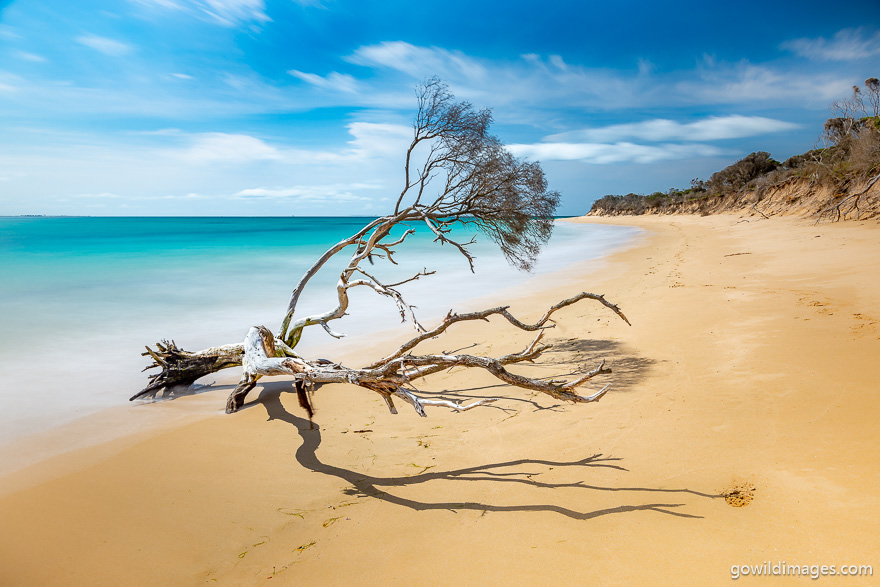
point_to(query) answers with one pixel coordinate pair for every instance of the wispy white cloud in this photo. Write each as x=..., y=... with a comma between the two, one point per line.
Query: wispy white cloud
x=153, y=96
x=228, y=13
x=535, y=81
x=530, y=80
x=162, y=132
x=233, y=12
x=150, y=174
x=104, y=45
x=160, y=3
x=604, y=154
x=418, y=62
x=748, y=83
x=338, y=193
x=9, y=82
x=33, y=57
x=189, y=196
x=99, y=196
x=529, y=89
x=223, y=147
x=341, y=82
x=377, y=139
x=369, y=141
x=557, y=62
x=709, y=129
x=8, y=32
x=845, y=45
x=223, y=12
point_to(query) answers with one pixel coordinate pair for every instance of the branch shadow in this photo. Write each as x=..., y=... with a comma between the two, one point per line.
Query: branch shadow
x=179, y=391
x=627, y=368
x=363, y=485
x=576, y=354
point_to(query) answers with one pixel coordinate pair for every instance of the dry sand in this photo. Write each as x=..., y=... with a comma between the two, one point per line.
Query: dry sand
x=752, y=362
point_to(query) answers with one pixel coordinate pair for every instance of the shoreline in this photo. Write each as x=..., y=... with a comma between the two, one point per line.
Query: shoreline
x=749, y=362
x=120, y=423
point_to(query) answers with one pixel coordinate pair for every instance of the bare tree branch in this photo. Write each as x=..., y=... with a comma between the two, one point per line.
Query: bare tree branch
x=501, y=310
x=390, y=376
x=456, y=175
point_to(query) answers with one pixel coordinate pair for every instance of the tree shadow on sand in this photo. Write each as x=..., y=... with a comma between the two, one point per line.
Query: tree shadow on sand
x=519, y=471
x=576, y=356
x=628, y=369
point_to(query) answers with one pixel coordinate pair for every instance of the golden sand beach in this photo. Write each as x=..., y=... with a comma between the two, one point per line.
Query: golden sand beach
x=741, y=428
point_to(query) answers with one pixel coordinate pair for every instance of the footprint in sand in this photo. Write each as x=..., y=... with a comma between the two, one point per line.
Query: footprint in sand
x=822, y=307
x=864, y=324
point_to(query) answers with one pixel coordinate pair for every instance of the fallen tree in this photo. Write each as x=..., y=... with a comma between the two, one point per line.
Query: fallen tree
x=455, y=174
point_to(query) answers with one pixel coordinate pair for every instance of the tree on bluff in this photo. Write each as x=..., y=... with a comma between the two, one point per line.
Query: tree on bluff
x=455, y=174
x=737, y=175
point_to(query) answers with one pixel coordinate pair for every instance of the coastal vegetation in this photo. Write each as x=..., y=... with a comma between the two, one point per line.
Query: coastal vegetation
x=831, y=181
x=455, y=174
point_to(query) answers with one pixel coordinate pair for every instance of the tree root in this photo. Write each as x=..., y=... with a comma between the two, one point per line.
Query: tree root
x=182, y=368
x=837, y=212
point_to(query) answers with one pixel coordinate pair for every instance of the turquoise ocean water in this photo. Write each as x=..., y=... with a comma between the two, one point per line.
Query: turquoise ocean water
x=80, y=297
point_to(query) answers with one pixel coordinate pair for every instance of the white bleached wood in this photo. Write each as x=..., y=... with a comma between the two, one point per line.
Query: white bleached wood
x=390, y=376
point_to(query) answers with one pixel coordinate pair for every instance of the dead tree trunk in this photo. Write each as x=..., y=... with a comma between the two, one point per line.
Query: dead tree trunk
x=455, y=174
x=180, y=368
x=262, y=354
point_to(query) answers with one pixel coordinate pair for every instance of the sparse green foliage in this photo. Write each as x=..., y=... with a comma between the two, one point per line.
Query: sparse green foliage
x=850, y=155
x=658, y=202
x=467, y=176
x=738, y=175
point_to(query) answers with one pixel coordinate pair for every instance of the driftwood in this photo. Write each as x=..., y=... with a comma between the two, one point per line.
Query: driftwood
x=455, y=174
x=261, y=354
x=182, y=368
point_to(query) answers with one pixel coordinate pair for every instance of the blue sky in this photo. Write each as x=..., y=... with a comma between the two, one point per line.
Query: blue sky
x=280, y=107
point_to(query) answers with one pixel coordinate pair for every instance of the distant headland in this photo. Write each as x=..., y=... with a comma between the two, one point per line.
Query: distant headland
x=837, y=181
